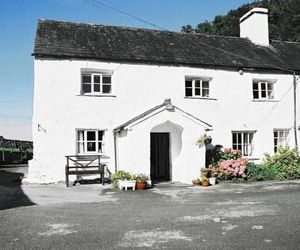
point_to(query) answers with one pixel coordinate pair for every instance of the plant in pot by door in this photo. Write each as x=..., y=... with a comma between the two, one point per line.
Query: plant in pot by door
x=141, y=181
x=122, y=179
x=196, y=182
x=204, y=181
x=212, y=175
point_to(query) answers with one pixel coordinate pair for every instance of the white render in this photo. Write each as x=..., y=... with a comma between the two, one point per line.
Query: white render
x=254, y=25
x=60, y=109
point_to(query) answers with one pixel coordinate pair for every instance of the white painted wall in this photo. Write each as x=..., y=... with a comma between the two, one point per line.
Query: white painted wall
x=60, y=110
x=254, y=25
x=186, y=157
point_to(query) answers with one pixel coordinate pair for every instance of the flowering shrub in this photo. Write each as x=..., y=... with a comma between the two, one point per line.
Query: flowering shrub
x=233, y=168
x=230, y=166
x=231, y=154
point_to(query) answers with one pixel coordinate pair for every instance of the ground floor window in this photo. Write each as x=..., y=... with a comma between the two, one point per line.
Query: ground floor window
x=243, y=140
x=90, y=141
x=280, y=138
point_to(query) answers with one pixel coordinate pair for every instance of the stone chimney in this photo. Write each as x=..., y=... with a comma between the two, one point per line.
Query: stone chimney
x=254, y=26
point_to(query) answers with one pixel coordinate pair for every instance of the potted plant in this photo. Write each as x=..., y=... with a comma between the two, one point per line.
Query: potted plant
x=204, y=181
x=204, y=172
x=212, y=175
x=141, y=181
x=123, y=179
x=204, y=139
x=196, y=182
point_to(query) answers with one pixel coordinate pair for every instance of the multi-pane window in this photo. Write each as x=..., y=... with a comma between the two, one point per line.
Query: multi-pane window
x=280, y=138
x=197, y=87
x=263, y=90
x=90, y=141
x=96, y=83
x=243, y=141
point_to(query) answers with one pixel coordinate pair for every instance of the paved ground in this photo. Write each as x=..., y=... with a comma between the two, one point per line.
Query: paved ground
x=170, y=216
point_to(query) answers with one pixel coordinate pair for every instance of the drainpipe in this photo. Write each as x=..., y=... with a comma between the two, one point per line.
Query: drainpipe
x=295, y=109
x=115, y=151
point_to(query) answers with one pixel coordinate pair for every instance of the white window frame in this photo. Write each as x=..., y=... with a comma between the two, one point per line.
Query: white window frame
x=84, y=141
x=193, y=80
x=246, y=144
x=269, y=89
x=92, y=75
x=281, y=139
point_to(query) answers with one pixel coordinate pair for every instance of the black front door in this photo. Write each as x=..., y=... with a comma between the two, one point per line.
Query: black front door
x=160, y=162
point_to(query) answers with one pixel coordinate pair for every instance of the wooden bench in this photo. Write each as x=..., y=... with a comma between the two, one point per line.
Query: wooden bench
x=84, y=165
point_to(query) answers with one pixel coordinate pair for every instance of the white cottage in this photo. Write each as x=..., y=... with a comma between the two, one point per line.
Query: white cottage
x=142, y=98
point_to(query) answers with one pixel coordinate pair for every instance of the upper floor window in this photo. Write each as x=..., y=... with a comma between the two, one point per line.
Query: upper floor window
x=197, y=87
x=96, y=83
x=90, y=141
x=243, y=141
x=280, y=138
x=263, y=90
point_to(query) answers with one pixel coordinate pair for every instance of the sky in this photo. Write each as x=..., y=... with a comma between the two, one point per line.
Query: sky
x=18, y=21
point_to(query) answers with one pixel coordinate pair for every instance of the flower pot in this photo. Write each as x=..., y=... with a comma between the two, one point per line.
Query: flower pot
x=205, y=184
x=141, y=185
x=196, y=183
x=126, y=184
x=212, y=181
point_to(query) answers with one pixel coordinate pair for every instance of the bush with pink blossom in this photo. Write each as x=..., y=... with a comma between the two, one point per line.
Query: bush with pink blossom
x=233, y=169
x=230, y=166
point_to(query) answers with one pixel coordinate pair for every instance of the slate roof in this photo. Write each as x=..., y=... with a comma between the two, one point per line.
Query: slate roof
x=122, y=44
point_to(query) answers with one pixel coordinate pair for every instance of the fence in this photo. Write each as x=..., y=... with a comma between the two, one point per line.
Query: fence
x=15, y=151
x=14, y=156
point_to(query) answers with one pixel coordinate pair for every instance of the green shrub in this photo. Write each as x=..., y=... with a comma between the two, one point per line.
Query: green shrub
x=283, y=165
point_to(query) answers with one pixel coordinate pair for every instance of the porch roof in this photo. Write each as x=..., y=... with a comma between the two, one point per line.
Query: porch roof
x=167, y=105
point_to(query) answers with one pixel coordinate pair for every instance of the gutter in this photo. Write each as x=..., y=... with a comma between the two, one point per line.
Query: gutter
x=295, y=109
x=115, y=151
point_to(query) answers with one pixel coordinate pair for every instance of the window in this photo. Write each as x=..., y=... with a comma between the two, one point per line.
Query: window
x=263, y=90
x=197, y=87
x=96, y=83
x=242, y=140
x=280, y=138
x=90, y=141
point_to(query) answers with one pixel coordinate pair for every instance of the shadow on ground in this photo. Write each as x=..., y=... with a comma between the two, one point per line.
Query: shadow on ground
x=11, y=193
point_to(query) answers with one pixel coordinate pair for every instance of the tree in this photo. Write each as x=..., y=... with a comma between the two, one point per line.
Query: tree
x=284, y=20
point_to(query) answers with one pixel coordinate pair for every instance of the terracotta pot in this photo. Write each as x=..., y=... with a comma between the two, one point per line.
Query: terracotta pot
x=141, y=185
x=205, y=184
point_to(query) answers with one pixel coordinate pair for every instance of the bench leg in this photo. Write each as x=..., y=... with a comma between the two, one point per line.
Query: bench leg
x=102, y=178
x=67, y=180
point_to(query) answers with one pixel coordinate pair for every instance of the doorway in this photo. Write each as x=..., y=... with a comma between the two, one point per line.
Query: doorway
x=160, y=156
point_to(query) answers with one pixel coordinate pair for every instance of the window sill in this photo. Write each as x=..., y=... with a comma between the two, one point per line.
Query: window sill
x=98, y=95
x=252, y=158
x=264, y=100
x=93, y=154
x=201, y=98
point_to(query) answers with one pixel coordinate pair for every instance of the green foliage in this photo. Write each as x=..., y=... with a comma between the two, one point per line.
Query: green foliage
x=204, y=139
x=142, y=178
x=187, y=29
x=11, y=150
x=231, y=154
x=284, y=20
x=283, y=165
x=120, y=175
